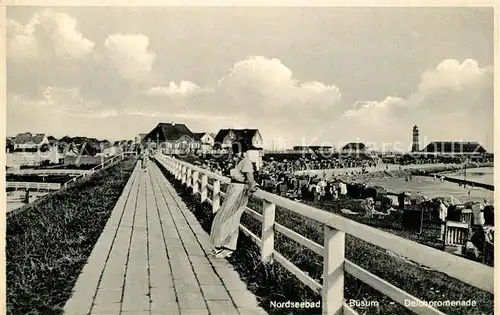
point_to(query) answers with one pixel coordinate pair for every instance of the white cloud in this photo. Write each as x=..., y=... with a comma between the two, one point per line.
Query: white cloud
x=129, y=55
x=451, y=74
x=184, y=88
x=267, y=83
x=48, y=34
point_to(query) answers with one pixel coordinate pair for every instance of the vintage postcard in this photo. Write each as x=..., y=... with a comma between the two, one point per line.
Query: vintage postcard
x=248, y=159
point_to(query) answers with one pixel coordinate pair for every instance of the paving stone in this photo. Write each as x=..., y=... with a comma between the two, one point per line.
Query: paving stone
x=252, y=311
x=163, y=294
x=193, y=311
x=191, y=300
x=78, y=305
x=214, y=292
x=135, y=302
x=106, y=309
x=207, y=277
x=200, y=260
x=244, y=299
x=106, y=296
x=222, y=307
x=189, y=286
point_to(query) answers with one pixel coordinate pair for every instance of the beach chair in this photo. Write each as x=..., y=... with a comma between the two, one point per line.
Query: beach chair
x=466, y=216
x=488, y=253
x=412, y=219
x=456, y=235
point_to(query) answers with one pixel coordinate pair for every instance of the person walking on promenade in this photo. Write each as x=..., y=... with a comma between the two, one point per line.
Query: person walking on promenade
x=225, y=227
x=145, y=159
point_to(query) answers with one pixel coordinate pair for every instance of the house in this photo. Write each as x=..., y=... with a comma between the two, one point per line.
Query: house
x=29, y=150
x=28, y=141
x=225, y=137
x=110, y=148
x=354, y=147
x=139, y=137
x=171, y=136
x=454, y=148
x=207, y=140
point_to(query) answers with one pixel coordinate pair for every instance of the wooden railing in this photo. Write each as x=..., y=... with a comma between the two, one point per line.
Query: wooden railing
x=47, y=172
x=333, y=250
x=115, y=159
x=32, y=185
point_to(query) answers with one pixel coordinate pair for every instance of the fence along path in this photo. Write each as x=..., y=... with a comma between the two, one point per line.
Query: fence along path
x=107, y=163
x=47, y=172
x=333, y=249
x=151, y=259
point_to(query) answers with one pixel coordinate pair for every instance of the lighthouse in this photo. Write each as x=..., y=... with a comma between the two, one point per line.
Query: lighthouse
x=415, y=147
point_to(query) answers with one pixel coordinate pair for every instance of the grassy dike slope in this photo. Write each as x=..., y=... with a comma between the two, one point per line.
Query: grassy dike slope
x=48, y=245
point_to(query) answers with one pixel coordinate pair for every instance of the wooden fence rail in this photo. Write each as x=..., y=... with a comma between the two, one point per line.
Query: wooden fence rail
x=333, y=250
x=32, y=185
x=107, y=163
x=47, y=172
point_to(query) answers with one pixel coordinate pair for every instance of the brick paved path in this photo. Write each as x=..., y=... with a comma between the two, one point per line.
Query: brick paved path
x=151, y=259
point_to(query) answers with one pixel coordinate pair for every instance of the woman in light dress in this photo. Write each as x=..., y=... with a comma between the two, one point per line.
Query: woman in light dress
x=225, y=227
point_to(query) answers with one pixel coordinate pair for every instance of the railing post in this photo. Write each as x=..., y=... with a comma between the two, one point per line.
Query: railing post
x=216, y=197
x=204, y=189
x=188, y=177
x=183, y=174
x=268, y=216
x=179, y=171
x=176, y=170
x=195, y=182
x=333, y=271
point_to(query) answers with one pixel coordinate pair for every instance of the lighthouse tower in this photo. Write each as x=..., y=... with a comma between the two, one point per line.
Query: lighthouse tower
x=415, y=147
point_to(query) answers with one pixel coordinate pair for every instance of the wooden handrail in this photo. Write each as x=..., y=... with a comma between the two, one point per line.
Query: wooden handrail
x=109, y=162
x=335, y=228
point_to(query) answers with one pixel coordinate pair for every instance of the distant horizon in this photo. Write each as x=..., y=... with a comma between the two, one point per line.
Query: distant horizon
x=385, y=146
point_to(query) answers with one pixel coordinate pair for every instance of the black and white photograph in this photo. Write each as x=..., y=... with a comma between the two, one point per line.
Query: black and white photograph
x=200, y=159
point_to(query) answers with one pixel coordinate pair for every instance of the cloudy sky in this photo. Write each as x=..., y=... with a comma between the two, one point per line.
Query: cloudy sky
x=300, y=75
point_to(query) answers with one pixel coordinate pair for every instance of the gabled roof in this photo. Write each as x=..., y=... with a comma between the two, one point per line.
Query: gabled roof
x=169, y=132
x=454, y=147
x=246, y=134
x=23, y=138
x=354, y=146
x=38, y=138
x=199, y=135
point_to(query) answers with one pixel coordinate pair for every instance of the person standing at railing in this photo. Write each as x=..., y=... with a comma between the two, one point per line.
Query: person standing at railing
x=225, y=227
x=145, y=159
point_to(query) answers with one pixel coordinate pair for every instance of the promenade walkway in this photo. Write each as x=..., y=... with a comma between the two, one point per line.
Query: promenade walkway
x=152, y=259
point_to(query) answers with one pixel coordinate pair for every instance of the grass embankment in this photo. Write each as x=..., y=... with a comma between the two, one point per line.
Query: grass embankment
x=48, y=245
x=271, y=282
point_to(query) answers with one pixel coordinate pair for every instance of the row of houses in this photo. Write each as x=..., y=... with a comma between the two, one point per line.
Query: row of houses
x=434, y=147
x=172, y=136
x=27, y=149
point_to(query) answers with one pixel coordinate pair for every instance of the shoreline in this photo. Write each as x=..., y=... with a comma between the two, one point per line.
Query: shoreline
x=352, y=175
